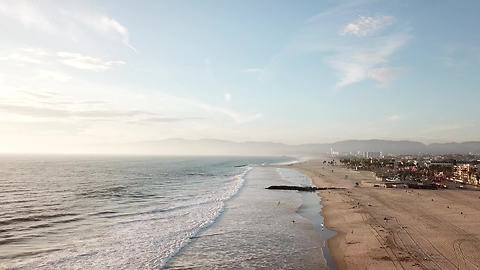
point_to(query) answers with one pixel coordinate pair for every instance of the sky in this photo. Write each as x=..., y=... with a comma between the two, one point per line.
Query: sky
x=82, y=73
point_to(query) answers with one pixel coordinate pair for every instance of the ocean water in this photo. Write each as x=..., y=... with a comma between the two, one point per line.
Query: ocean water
x=153, y=213
x=263, y=229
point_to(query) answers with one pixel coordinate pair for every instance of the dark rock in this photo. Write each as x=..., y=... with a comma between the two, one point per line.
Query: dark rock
x=299, y=188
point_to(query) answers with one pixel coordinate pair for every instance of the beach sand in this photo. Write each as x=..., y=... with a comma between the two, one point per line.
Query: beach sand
x=380, y=228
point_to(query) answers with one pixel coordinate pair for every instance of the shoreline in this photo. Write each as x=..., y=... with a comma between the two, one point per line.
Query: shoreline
x=259, y=229
x=310, y=209
x=329, y=213
x=203, y=230
x=380, y=228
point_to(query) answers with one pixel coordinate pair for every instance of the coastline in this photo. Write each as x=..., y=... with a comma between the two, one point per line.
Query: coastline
x=260, y=229
x=310, y=209
x=332, y=209
x=379, y=228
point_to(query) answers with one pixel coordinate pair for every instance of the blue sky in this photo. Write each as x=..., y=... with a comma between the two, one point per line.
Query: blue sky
x=75, y=73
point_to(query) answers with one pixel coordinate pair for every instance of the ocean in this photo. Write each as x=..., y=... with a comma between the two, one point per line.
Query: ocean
x=81, y=212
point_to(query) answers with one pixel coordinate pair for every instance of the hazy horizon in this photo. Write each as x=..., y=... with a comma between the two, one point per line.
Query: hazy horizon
x=79, y=74
x=216, y=147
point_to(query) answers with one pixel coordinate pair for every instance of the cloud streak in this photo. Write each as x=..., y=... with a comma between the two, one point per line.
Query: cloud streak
x=356, y=48
x=104, y=24
x=369, y=57
x=60, y=19
x=166, y=120
x=46, y=112
x=369, y=60
x=54, y=105
x=80, y=61
x=253, y=70
x=37, y=56
x=367, y=26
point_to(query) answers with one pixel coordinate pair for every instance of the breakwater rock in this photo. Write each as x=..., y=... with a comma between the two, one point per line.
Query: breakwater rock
x=300, y=188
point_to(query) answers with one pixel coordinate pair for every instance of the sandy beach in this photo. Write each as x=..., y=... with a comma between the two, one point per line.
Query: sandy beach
x=379, y=228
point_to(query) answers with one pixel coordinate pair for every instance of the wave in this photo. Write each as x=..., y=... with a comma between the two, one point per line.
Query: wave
x=236, y=185
x=101, y=213
x=16, y=201
x=34, y=218
x=137, y=224
x=26, y=254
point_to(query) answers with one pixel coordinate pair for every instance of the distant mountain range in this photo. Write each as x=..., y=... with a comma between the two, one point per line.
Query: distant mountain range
x=222, y=147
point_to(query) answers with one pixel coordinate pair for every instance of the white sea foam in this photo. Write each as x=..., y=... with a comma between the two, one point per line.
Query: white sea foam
x=216, y=208
x=257, y=230
x=294, y=177
x=143, y=240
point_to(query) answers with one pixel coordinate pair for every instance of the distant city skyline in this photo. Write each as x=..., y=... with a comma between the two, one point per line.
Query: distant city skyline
x=82, y=73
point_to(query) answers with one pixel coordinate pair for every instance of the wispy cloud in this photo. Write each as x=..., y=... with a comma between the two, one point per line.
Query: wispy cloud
x=60, y=18
x=41, y=104
x=166, y=120
x=44, y=57
x=367, y=26
x=52, y=75
x=103, y=23
x=383, y=75
x=27, y=13
x=36, y=111
x=357, y=48
x=80, y=61
x=41, y=95
x=24, y=55
x=253, y=70
x=369, y=58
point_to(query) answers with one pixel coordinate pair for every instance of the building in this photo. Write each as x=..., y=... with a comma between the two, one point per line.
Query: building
x=466, y=173
x=373, y=154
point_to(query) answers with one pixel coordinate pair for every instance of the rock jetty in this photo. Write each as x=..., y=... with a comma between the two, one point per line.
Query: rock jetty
x=300, y=188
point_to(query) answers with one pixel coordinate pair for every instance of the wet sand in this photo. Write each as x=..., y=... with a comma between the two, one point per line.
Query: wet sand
x=379, y=228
